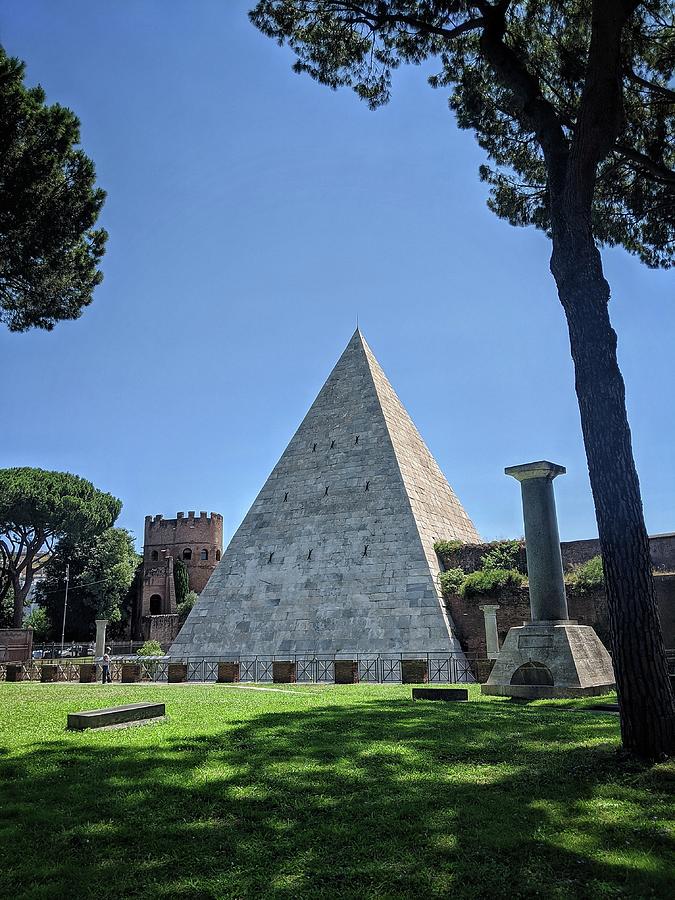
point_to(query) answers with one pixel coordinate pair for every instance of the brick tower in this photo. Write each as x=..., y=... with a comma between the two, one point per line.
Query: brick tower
x=196, y=540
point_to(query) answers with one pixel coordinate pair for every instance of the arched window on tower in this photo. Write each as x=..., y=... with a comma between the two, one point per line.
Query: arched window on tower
x=155, y=605
x=187, y=553
x=217, y=555
x=154, y=556
x=204, y=554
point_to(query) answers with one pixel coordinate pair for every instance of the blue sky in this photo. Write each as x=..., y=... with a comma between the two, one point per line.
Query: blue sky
x=253, y=214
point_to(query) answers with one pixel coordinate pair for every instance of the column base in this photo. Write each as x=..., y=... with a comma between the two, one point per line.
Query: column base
x=543, y=660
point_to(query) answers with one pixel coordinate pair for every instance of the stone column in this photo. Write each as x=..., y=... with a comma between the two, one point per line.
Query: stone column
x=100, y=638
x=548, y=602
x=491, y=633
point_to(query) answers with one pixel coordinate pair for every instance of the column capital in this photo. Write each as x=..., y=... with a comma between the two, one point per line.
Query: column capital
x=489, y=607
x=541, y=469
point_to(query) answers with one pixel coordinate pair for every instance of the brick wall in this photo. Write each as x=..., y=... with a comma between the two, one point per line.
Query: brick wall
x=662, y=547
x=161, y=628
x=514, y=610
x=469, y=556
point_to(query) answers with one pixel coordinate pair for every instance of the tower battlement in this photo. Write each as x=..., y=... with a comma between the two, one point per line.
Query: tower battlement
x=188, y=520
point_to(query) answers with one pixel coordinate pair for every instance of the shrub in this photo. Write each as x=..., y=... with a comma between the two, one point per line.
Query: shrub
x=451, y=581
x=447, y=548
x=502, y=555
x=151, y=648
x=38, y=620
x=490, y=581
x=183, y=609
x=587, y=576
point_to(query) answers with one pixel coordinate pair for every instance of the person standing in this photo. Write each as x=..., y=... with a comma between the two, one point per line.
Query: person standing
x=105, y=678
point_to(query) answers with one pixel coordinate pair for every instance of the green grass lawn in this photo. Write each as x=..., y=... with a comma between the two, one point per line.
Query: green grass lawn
x=324, y=792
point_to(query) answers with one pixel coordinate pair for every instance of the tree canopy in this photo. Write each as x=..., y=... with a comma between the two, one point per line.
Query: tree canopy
x=181, y=580
x=102, y=570
x=517, y=72
x=38, y=509
x=49, y=205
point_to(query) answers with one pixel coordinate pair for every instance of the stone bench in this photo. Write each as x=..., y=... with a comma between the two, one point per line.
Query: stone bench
x=115, y=715
x=447, y=694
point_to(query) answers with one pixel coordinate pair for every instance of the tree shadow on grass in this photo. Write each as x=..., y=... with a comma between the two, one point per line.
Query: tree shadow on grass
x=380, y=799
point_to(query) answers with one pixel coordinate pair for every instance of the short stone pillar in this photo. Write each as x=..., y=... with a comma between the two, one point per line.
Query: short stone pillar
x=346, y=671
x=49, y=673
x=228, y=672
x=14, y=672
x=414, y=671
x=283, y=672
x=131, y=673
x=491, y=633
x=548, y=602
x=101, y=625
x=87, y=673
x=177, y=673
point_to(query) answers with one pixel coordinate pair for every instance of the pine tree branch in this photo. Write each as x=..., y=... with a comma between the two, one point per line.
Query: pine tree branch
x=656, y=169
x=659, y=89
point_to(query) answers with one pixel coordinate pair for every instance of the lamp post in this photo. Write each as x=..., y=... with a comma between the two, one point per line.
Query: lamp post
x=65, y=607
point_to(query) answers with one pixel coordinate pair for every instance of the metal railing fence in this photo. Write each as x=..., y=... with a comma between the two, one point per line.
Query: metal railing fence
x=373, y=668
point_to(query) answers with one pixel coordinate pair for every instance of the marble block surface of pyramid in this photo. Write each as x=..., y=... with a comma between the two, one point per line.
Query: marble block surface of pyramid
x=336, y=554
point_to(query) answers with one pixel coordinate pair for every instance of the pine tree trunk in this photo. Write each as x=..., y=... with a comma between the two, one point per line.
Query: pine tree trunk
x=647, y=708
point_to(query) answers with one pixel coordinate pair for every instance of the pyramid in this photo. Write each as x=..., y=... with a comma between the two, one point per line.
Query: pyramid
x=336, y=555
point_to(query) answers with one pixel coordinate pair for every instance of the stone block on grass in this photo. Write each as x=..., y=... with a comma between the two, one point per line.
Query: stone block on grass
x=448, y=695
x=115, y=715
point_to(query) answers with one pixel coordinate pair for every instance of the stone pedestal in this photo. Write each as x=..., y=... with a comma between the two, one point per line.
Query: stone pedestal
x=491, y=634
x=552, y=656
x=414, y=671
x=540, y=660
